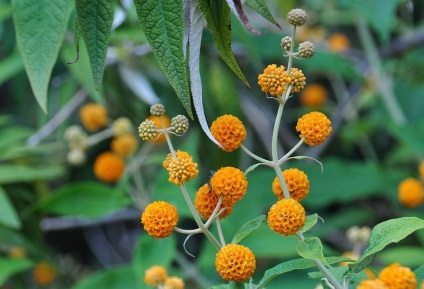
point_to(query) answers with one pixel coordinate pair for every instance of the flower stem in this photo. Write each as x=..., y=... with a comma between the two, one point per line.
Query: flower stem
x=256, y=157
x=288, y=154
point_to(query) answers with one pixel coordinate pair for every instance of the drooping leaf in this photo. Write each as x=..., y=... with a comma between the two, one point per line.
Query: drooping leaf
x=8, y=216
x=95, y=19
x=217, y=15
x=237, y=8
x=311, y=248
x=194, y=41
x=40, y=27
x=9, y=267
x=163, y=24
x=261, y=7
x=248, y=228
x=311, y=220
x=20, y=173
x=115, y=278
x=385, y=233
x=82, y=199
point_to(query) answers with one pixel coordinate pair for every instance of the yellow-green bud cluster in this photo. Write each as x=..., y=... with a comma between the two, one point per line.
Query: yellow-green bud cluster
x=122, y=126
x=147, y=130
x=157, y=109
x=297, y=17
x=179, y=124
x=306, y=49
x=286, y=43
x=76, y=137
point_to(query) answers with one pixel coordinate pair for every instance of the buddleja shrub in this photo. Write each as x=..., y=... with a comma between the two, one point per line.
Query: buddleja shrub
x=216, y=199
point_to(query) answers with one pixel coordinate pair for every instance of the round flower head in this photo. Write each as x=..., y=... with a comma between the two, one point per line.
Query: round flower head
x=421, y=170
x=174, y=283
x=230, y=183
x=124, y=145
x=396, y=276
x=274, y=79
x=229, y=131
x=338, y=42
x=297, y=79
x=157, y=109
x=297, y=17
x=315, y=127
x=235, y=263
x=108, y=167
x=372, y=284
x=159, y=219
x=93, y=116
x=76, y=137
x=314, y=95
x=159, y=138
x=297, y=183
x=180, y=169
x=286, y=43
x=147, y=130
x=122, y=126
x=44, y=273
x=206, y=201
x=411, y=193
x=286, y=217
x=306, y=49
x=155, y=275
x=76, y=157
x=179, y=124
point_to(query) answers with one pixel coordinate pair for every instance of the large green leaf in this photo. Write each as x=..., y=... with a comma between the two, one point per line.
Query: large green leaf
x=117, y=278
x=40, y=28
x=85, y=199
x=391, y=231
x=163, y=24
x=311, y=248
x=95, y=19
x=20, y=173
x=9, y=267
x=217, y=15
x=8, y=216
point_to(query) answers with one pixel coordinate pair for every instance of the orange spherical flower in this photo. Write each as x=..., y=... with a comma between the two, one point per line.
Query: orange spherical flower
x=396, y=276
x=44, y=273
x=155, y=275
x=421, y=170
x=297, y=183
x=229, y=131
x=286, y=217
x=124, y=145
x=206, y=201
x=297, y=79
x=93, y=116
x=230, y=183
x=314, y=95
x=180, y=169
x=411, y=193
x=235, y=262
x=372, y=284
x=167, y=123
x=174, y=283
x=159, y=219
x=108, y=167
x=274, y=79
x=338, y=42
x=315, y=127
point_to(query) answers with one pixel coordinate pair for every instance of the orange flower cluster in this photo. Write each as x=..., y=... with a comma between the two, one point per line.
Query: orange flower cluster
x=124, y=145
x=206, y=201
x=274, y=79
x=411, y=193
x=159, y=219
x=174, y=283
x=93, y=116
x=180, y=169
x=44, y=273
x=297, y=183
x=315, y=127
x=338, y=42
x=396, y=276
x=372, y=284
x=229, y=131
x=286, y=217
x=157, y=276
x=235, y=262
x=108, y=167
x=314, y=95
x=230, y=183
x=297, y=79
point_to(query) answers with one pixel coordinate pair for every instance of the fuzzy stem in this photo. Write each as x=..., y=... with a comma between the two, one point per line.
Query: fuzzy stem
x=98, y=137
x=219, y=228
x=288, y=154
x=256, y=157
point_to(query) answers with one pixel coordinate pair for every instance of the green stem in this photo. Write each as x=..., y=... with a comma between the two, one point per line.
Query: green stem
x=98, y=137
x=288, y=154
x=289, y=65
x=256, y=157
x=219, y=228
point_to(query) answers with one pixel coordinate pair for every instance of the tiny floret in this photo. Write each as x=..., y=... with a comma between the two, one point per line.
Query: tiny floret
x=229, y=131
x=179, y=124
x=274, y=80
x=297, y=79
x=297, y=17
x=235, y=263
x=174, y=283
x=157, y=109
x=147, y=130
x=44, y=273
x=231, y=183
x=306, y=49
x=108, y=167
x=122, y=126
x=286, y=217
x=180, y=168
x=314, y=95
x=286, y=43
x=297, y=183
x=411, y=193
x=155, y=275
x=315, y=127
x=206, y=201
x=124, y=145
x=159, y=219
x=396, y=276
x=372, y=284
x=93, y=116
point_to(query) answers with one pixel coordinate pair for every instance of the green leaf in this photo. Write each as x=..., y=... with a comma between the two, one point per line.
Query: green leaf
x=40, y=28
x=95, y=19
x=9, y=267
x=261, y=7
x=20, y=173
x=217, y=15
x=8, y=216
x=117, y=278
x=10, y=66
x=385, y=233
x=419, y=272
x=311, y=220
x=340, y=273
x=83, y=199
x=311, y=248
x=163, y=25
x=248, y=228
x=296, y=264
